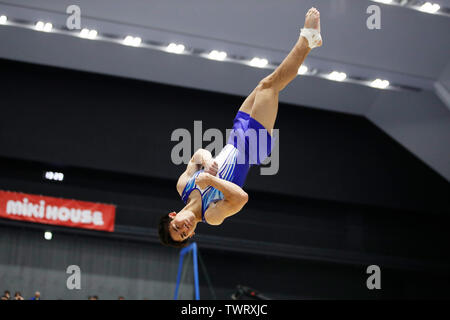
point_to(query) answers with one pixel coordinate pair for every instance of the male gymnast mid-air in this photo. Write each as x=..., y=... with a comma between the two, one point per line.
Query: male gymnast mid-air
x=211, y=188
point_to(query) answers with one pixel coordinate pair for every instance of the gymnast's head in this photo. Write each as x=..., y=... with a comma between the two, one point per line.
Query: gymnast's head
x=175, y=229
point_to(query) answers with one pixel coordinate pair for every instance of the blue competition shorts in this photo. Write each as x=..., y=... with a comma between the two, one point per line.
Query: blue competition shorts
x=251, y=139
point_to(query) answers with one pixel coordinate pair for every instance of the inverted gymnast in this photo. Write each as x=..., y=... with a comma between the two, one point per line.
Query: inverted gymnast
x=218, y=182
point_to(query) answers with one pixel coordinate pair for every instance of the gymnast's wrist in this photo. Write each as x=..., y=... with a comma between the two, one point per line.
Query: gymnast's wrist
x=206, y=158
x=211, y=179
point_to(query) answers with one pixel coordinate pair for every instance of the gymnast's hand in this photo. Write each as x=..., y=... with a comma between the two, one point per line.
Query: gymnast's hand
x=203, y=180
x=211, y=167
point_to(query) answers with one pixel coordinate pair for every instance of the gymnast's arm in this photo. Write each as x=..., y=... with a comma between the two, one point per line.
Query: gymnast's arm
x=234, y=200
x=201, y=158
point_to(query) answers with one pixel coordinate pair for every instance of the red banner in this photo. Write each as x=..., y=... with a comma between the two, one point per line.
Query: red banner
x=57, y=211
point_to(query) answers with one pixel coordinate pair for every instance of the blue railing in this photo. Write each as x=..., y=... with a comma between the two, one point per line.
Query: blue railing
x=192, y=247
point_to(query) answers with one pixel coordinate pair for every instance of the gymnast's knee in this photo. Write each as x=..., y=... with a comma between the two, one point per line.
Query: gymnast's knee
x=268, y=83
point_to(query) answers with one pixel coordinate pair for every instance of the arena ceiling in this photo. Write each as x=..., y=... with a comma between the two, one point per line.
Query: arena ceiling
x=411, y=50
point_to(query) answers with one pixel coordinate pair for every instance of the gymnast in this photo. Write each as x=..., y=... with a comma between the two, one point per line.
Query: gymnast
x=218, y=181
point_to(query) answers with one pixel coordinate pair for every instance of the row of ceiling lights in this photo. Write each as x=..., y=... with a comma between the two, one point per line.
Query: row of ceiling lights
x=427, y=7
x=213, y=55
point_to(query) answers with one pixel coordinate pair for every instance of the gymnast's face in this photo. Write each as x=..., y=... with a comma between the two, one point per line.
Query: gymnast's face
x=182, y=225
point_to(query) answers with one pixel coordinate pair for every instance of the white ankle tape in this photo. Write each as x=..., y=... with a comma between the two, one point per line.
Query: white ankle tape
x=312, y=35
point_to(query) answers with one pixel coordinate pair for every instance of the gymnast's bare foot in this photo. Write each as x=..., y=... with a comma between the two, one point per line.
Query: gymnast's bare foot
x=312, y=21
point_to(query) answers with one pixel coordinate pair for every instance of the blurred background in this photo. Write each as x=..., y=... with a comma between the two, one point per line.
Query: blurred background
x=364, y=166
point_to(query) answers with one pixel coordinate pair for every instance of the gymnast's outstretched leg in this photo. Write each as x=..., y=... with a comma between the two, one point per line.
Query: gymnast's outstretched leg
x=262, y=103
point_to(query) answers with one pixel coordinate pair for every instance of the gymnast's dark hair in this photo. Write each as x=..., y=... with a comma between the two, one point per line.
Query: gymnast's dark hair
x=164, y=234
